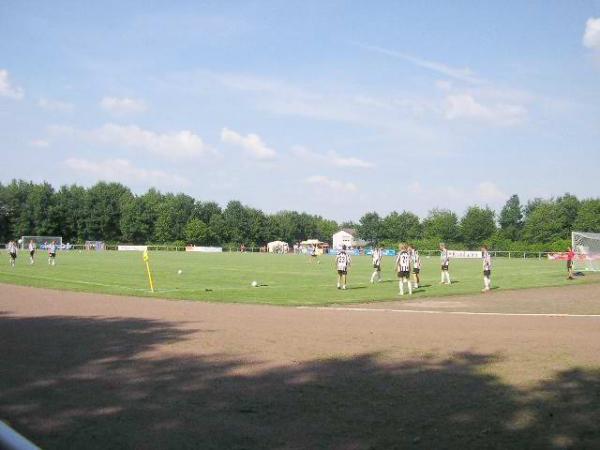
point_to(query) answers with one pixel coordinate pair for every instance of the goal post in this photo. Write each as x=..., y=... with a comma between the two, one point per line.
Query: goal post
x=40, y=241
x=587, y=249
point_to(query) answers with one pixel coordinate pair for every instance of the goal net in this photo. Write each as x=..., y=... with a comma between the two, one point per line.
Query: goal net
x=587, y=248
x=94, y=245
x=40, y=242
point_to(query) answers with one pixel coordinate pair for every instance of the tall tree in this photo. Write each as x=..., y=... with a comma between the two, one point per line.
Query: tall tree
x=588, y=216
x=369, y=227
x=403, y=227
x=103, y=208
x=544, y=224
x=441, y=224
x=477, y=225
x=511, y=219
x=70, y=208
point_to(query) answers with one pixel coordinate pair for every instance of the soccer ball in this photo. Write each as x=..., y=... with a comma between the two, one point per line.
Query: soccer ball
x=179, y=272
x=254, y=284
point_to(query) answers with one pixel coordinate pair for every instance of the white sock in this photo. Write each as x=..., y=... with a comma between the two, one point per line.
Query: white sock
x=401, y=286
x=448, y=276
x=409, y=287
x=373, y=276
x=443, y=277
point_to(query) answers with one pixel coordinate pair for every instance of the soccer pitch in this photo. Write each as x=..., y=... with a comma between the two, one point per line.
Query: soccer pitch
x=283, y=279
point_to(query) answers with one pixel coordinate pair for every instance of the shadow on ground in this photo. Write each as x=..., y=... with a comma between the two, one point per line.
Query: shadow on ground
x=87, y=383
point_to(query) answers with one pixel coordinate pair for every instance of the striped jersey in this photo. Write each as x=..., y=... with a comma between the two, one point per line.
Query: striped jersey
x=403, y=261
x=487, y=261
x=377, y=255
x=52, y=248
x=416, y=259
x=342, y=260
x=12, y=247
x=444, y=257
x=31, y=246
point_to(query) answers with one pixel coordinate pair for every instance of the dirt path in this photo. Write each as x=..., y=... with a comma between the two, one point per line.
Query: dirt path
x=95, y=371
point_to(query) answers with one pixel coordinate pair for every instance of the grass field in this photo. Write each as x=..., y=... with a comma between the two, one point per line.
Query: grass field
x=283, y=279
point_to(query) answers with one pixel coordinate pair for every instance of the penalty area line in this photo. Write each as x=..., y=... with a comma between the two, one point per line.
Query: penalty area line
x=464, y=313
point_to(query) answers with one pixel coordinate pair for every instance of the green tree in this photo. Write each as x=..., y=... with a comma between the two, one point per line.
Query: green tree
x=568, y=208
x=511, y=219
x=588, y=216
x=197, y=232
x=103, y=208
x=403, y=227
x=173, y=213
x=236, y=222
x=218, y=231
x=369, y=227
x=544, y=224
x=441, y=224
x=477, y=225
x=70, y=208
x=205, y=210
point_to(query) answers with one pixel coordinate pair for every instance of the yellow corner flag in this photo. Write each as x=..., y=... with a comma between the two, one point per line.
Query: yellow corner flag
x=147, y=261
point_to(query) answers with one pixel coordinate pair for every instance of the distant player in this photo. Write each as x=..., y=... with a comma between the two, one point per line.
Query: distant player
x=11, y=248
x=487, y=268
x=570, y=258
x=31, y=248
x=445, y=261
x=342, y=263
x=377, y=257
x=416, y=265
x=52, y=253
x=403, y=269
x=313, y=253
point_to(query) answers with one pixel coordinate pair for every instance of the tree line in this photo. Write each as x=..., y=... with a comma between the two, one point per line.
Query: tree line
x=110, y=212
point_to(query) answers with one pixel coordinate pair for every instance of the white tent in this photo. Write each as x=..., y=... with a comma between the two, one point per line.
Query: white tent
x=278, y=247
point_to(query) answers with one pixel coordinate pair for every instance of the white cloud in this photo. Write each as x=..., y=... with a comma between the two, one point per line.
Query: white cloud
x=39, y=143
x=123, y=170
x=123, y=105
x=332, y=185
x=490, y=193
x=7, y=89
x=182, y=144
x=252, y=143
x=591, y=37
x=464, y=74
x=54, y=105
x=332, y=158
x=465, y=106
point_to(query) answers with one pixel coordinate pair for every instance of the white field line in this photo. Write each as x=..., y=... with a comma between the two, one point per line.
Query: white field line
x=65, y=280
x=466, y=313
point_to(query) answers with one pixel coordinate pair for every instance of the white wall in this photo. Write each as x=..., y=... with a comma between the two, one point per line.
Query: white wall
x=342, y=238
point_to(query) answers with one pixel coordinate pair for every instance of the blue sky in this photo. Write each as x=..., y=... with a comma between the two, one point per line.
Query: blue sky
x=329, y=107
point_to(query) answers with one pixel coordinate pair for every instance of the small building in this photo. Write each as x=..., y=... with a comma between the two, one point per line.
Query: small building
x=347, y=237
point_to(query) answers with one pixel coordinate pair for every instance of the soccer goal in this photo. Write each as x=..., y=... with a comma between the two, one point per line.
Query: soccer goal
x=40, y=241
x=95, y=245
x=587, y=248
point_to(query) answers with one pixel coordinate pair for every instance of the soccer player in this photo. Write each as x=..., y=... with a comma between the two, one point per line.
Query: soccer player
x=487, y=268
x=31, y=248
x=313, y=253
x=342, y=263
x=52, y=253
x=12, y=253
x=416, y=264
x=377, y=256
x=570, y=257
x=403, y=269
x=445, y=260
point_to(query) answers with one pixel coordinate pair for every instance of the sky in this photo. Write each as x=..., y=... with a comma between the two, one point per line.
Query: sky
x=330, y=107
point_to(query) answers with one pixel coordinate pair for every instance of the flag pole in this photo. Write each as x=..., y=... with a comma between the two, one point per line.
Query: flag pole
x=147, y=261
